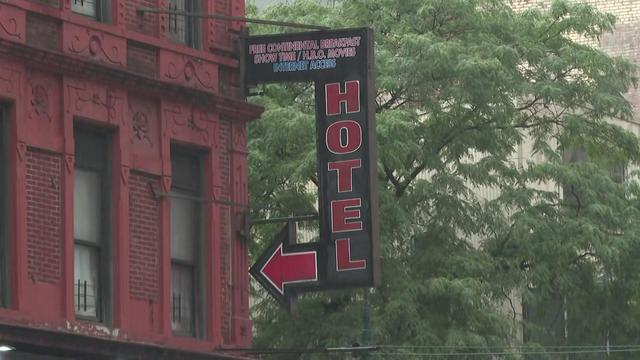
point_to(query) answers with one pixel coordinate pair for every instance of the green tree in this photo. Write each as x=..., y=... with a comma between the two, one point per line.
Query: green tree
x=461, y=86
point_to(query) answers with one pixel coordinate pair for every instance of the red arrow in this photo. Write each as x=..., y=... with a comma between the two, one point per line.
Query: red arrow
x=290, y=268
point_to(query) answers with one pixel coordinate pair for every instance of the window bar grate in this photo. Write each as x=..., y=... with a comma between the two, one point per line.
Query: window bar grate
x=85, y=295
x=180, y=308
x=78, y=295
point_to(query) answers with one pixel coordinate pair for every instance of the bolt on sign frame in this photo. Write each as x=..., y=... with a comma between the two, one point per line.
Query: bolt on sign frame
x=341, y=65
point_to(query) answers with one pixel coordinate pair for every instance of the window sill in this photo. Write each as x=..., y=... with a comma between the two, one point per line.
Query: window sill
x=91, y=23
x=191, y=343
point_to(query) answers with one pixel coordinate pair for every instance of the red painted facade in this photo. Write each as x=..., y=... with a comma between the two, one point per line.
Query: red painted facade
x=57, y=68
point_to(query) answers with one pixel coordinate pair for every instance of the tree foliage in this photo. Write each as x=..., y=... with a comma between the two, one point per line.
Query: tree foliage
x=471, y=97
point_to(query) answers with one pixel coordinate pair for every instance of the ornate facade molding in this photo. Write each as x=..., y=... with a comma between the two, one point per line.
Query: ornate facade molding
x=94, y=45
x=12, y=23
x=188, y=71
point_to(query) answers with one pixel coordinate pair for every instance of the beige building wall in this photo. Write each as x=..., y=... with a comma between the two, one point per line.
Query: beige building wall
x=624, y=41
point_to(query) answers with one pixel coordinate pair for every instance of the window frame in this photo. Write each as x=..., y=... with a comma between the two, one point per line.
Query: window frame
x=192, y=24
x=5, y=213
x=103, y=11
x=104, y=246
x=98, y=290
x=195, y=195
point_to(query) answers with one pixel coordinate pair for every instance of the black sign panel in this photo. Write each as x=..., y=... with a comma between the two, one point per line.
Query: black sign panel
x=336, y=55
x=340, y=62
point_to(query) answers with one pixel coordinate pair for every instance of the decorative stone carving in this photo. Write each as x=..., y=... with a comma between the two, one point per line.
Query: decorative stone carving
x=188, y=71
x=166, y=184
x=69, y=161
x=121, y=11
x=124, y=175
x=144, y=127
x=217, y=192
x=140, y=128
x=94, y=45
x=239, y=130
x=115, y=111
x=12, y=23
x=240, y=186
x=9, y=79
x=162, y=18
x=94, y=101
x=181, y=119
x=22, y=151
x=40, y=101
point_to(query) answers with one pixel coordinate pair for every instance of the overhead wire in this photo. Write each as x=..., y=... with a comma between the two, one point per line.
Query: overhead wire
x=635, y=348
x=505, y=347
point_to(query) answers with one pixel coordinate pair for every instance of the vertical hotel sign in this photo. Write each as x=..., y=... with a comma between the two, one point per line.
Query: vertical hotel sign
x=340, y=63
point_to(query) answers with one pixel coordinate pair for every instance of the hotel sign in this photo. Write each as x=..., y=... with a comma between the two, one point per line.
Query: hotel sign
x=340, y=63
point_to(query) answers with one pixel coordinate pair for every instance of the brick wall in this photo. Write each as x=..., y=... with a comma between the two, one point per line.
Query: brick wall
x=229, y=82
x=142, y=59
x=44, y=216
x=144, y=237
x=147, y=24
x=43, y=31
x=225, y=222
x=221, y=28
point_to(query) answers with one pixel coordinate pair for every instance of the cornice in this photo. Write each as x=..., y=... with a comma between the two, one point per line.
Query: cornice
x=65, y=64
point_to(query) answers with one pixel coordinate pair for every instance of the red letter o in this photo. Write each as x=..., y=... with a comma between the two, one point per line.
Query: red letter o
x=334, y=137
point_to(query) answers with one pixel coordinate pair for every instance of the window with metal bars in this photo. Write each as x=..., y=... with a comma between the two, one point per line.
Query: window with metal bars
x=94, y=9
x=181, y=28
x=90, y=224
x=186, y=234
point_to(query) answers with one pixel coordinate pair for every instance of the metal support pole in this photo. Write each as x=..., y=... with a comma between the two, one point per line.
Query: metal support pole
x=285, y=219
x=366, y=325
x=142, y=10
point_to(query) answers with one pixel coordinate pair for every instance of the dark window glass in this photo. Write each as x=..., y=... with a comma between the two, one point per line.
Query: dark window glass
x=572, y=193
x=186, y=233
x=184, y=29
x=90, y=224
x=618, y=173
x=93, y=9
x=182, y=298
x=89, y=8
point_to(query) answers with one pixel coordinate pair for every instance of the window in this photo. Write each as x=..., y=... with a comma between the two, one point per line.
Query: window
x=186, y=234
x=618, y=173
x=184, y=29
x=90, y=224
x=4, y=215
x=546, y=321
x=573, y=195
x=94, y=9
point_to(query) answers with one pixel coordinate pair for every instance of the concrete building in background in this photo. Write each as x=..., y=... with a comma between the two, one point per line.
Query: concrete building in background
x=261, y=4
x=124, y=167
x=624, y=41
x=554, y=318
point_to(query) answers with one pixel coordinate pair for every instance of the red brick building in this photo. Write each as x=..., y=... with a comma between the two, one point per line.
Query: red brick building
x=124, y=169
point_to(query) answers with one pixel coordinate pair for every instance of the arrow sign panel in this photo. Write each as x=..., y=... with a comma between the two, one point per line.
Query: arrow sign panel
x=285, y=265
x=291, y=268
